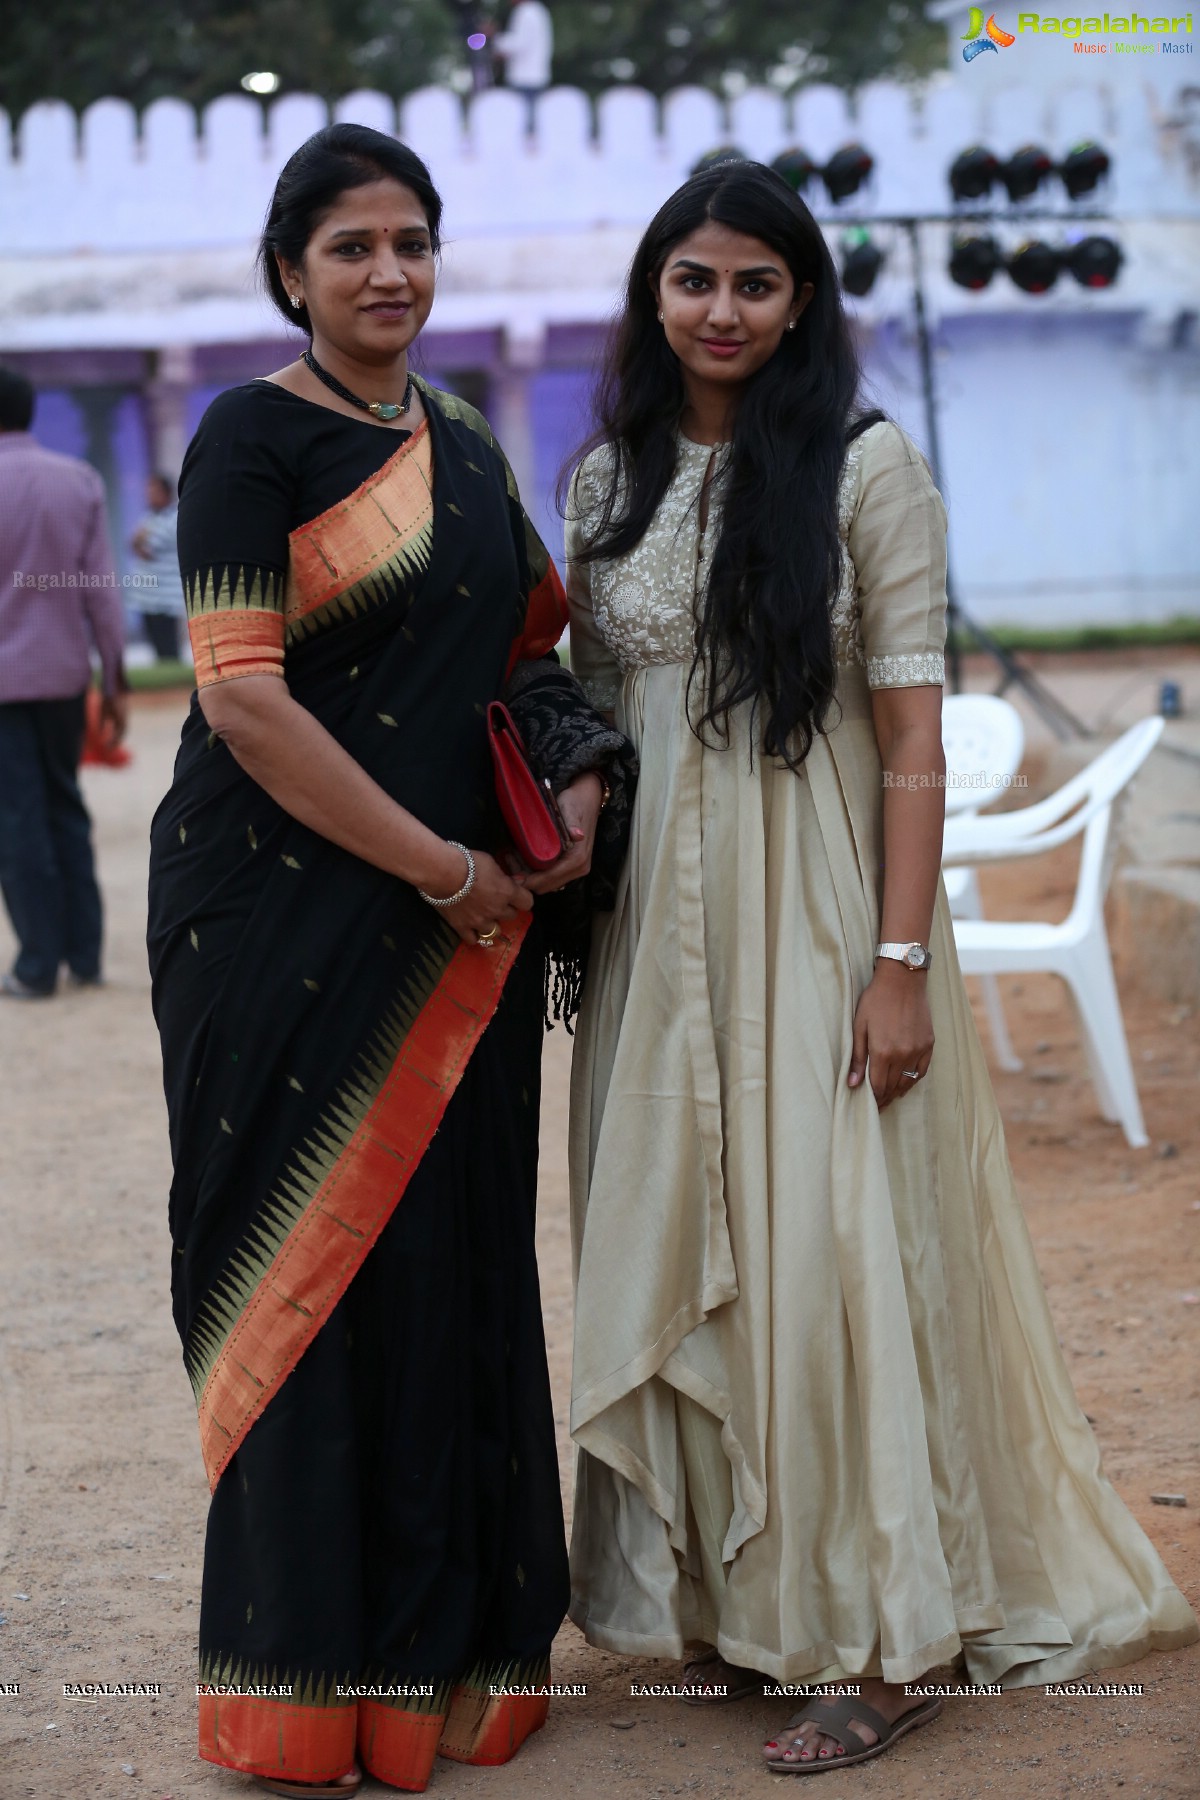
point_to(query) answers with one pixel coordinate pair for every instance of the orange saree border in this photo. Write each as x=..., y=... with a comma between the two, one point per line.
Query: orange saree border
x=247, y=641
x=264, y=1736
x=274, y=1737
x=545, y=620
x=487, y=1729
x=363, y=531
x=398, y=1747
x=327, y=1246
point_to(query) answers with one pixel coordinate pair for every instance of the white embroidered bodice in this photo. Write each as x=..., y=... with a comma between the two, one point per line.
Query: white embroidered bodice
x=644, y=602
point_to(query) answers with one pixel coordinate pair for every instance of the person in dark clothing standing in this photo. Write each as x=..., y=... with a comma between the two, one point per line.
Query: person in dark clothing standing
x=58, y=599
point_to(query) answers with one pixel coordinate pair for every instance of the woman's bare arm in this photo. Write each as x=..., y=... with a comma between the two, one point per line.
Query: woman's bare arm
x=893, y=1031
x=294, y=759
x=908, y=728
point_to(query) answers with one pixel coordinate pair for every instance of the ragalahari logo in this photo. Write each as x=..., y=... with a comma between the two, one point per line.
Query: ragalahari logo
x=992, y=38
x=1132, y=33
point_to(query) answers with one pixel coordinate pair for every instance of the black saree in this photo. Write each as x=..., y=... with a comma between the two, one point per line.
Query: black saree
x=353, y=1102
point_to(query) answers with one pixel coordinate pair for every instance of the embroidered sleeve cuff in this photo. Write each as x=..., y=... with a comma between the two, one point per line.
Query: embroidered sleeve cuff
x=925, y=668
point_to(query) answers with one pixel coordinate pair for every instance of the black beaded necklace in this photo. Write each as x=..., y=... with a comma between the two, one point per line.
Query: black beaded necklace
x=382, y=409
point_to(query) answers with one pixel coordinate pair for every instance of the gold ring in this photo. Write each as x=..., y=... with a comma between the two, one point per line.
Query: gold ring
x=488, y=937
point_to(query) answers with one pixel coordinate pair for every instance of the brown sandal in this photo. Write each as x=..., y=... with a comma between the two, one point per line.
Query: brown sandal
x=311, y=1790
x=747, y=1681
x=833, y=1719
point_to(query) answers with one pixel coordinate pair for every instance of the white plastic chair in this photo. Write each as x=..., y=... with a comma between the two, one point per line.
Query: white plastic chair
x=1077, y=950
x=984, y=740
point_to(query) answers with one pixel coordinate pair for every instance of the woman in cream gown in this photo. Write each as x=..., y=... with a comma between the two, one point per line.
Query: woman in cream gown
x=823, y=1420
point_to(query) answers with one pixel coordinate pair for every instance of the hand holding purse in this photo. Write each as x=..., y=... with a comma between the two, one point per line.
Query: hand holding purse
x=527, y=802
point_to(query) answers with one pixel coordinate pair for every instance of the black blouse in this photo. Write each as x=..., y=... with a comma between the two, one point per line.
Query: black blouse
x=263, y=463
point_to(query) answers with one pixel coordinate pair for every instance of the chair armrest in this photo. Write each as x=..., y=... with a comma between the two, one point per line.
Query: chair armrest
x=986, y=840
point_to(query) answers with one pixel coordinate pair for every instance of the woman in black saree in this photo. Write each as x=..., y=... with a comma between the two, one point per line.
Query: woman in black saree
x=350, y=1006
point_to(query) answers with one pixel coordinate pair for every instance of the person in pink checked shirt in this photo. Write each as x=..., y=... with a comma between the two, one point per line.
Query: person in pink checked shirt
x=58, y=599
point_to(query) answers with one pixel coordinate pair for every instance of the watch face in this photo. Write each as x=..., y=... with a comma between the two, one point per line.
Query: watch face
x=914, y=956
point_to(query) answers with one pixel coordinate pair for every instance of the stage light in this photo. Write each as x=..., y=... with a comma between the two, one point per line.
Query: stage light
x=797, y=168
x=1094, y=261
x=973, y=173
x=1083, y=168
x=712, y=159
x=1025, y=171
x=974, y=259
x=846, y=171
x=843, y=174
x=1035, y=265
x=861, y=262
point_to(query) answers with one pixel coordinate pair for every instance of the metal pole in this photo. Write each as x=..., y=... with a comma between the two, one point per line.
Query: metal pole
x=925, y=355
x=1059, y=718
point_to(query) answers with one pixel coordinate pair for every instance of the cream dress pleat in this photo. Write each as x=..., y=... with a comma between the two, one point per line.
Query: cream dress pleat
x=822, y=1415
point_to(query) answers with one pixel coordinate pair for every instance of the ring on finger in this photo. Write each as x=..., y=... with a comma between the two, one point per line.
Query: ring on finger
x=913, y=1074
x=488, y=938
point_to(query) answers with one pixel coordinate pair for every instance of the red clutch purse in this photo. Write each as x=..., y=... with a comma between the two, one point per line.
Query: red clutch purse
x=527, y=803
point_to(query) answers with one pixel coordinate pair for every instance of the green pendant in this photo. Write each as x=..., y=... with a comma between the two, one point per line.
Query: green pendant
x=385, y=409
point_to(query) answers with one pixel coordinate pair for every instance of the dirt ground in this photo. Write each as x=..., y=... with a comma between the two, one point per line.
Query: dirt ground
x=102, y=1491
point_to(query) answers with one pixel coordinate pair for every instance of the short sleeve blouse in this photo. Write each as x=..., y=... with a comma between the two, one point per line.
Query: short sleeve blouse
x=263, y=462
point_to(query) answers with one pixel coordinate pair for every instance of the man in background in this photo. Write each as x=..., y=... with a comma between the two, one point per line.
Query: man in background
x=526, y=48
x=58, y=598
x=160, y=600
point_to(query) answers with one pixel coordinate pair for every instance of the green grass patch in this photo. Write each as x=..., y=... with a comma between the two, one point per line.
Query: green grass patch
x=1185, y=629
x=155, y=675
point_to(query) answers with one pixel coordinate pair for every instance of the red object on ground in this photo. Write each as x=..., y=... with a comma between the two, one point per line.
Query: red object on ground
x=98, y=743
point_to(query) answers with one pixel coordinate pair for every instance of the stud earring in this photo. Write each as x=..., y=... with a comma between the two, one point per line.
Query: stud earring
x=296, y=300
x=660, y=318
x=791, y=324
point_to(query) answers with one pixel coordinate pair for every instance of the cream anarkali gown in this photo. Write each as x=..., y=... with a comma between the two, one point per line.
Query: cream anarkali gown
x=822, y=1415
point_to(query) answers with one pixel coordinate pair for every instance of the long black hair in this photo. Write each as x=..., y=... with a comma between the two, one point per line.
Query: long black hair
x=763, y=632
x=313, y=179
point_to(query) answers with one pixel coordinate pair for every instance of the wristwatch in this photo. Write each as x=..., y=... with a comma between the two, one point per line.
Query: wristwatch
x=913, y=956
